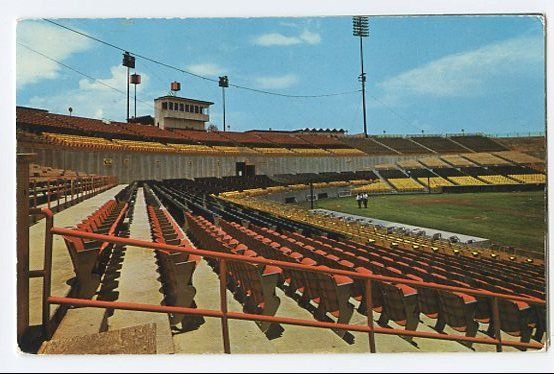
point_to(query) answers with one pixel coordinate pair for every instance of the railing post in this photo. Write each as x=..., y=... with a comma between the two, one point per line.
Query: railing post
x=48, y=193
x=223, y=301
x=47, y=280
x=22, y=189
x=496, y=323
x=369, y=313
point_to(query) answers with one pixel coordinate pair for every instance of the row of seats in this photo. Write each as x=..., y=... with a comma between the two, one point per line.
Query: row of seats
x=252, y=285
x=176, y=268
x=90, y=257
x=396, y=302
x=405, y=184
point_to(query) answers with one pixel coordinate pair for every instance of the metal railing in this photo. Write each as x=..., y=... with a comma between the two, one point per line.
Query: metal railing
x=66, y=192
x=225, y=315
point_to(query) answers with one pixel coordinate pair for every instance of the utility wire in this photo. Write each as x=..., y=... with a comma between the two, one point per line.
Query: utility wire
x=81, y=73
x=194, y=74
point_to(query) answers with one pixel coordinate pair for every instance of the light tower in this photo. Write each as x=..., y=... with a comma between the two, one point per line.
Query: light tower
x=135, y=79
x=361, y=29
x=223, y=83
x=129, y=62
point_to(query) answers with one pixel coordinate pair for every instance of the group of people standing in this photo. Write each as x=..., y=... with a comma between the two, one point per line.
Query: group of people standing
x=362, y=198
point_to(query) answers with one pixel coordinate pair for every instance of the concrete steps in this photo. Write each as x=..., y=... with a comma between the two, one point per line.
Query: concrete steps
x=139, y=282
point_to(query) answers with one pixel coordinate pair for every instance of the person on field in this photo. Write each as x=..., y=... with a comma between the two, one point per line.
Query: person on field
x=359, y=200
x=365, y=198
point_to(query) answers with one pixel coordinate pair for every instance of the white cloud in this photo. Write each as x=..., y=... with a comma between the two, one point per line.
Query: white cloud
x=54, y=42
x=206, y=69
x=95, y=99
x=277, y=82
x=466, y=73
x=277, y=39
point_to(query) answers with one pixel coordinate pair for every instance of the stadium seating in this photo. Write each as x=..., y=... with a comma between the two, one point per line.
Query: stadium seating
x=272, y=151
x=433, y=162
x=529, y=178
x=140, y=146
x=346, y=152
x=478, y=143
x=403, y=145
x=439, y=144
x=485, y=159
x=88, y=256
x=254, y=286
x=193, y=148
x=86, y=142
x=497, y=179
x=466, y=181
x=457, y=160
x=375, y=187
x=176, y=268
x=310, y=151
x=518, y=157
x=405, y=184
x=369, y=146
x=461, y=312
x=434, y=182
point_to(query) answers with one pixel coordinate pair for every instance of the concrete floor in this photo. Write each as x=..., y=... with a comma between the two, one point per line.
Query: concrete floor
x=61, y=262
x=138, y=281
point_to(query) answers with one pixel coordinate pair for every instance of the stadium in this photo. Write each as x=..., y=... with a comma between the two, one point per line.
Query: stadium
x=163, y=235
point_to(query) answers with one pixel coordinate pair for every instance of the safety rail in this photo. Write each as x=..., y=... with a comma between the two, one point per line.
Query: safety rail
x=225, y=315
x=66, y=191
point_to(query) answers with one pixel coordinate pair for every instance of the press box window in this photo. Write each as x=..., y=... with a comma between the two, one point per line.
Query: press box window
x=164, y=105
x=170, y=106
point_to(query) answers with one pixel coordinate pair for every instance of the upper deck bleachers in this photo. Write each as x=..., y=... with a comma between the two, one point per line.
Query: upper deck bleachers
x=457, y=160
x=283, y=139
x=433, y=162
x=478, y=143
x=518, y=157
x=439, y=144
x=485, y=159
x=321, y=140
x=369, y=146
x=403, y=145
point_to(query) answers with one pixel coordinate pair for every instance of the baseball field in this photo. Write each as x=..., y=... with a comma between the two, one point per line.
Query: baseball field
x=513, y=218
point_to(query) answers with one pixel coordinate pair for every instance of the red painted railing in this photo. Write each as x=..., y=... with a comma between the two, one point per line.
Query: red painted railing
x=224, y=314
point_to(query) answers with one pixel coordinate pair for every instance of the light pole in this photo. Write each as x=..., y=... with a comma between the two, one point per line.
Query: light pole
x=361, y=29
x=223, y=83
x=129, y=62
x=135, y=79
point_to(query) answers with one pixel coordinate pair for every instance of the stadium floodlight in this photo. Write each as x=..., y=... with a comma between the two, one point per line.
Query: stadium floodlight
x=135, y=80
x=223, y=83
x=129, y=63
x=360, y=28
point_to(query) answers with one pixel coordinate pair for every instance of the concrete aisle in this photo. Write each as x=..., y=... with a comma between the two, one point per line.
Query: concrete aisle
x=139, y=282
x=62, y=268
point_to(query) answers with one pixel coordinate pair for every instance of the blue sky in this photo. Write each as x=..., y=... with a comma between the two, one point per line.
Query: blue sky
x=439, y=74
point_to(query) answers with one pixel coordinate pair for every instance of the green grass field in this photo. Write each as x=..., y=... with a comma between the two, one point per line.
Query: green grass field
x=508, y=218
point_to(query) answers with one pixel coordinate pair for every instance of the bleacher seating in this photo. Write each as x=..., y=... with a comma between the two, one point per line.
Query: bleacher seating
x=457, y=160
x=79, y=141
x=176, y=268
x=404, y=257
x=433, y=162
x=478, y=143
x=193, y=148
x=518, y=157
x=403, y=145
x=89, y=257
x=375, y=187
x=466, y=180
x=405, y=184
x=529, y=178
x=368, y=146
x=497, y=179
x=439, y=144
x=272, y=151
x=434, y=182
x=346, y=152
x=485, y=159
x=310, y=151
x=140, y=146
